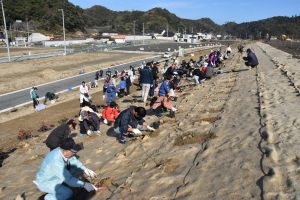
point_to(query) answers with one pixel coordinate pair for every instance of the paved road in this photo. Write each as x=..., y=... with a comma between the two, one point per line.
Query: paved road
x=30, y=57
x=169, y=46
x=21, y=97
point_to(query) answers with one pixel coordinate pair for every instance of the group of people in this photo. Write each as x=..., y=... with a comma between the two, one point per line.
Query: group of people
x=129, y=122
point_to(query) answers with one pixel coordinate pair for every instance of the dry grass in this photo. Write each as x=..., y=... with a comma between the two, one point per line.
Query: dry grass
x=24, y=134
x=193, y=138
x=210, y=119
x=104, y=182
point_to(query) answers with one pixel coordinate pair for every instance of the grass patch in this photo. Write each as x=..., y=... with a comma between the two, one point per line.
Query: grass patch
x=193, y=138
x=210, y=119
x=62, y=121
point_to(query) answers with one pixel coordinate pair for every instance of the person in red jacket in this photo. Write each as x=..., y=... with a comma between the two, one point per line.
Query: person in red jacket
x=110, y=113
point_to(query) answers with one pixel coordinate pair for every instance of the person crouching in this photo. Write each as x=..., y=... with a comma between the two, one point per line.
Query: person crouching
x=110, y=113
x=130, y=122
x=163, y=101
x=56, y=175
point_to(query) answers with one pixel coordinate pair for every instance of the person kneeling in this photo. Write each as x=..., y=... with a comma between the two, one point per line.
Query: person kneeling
x=110, y=113
x=90, y=123
x=57, y=172
x=130, y=121
x=163, y=100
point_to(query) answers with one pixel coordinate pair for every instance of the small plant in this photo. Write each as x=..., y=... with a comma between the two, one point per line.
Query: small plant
x=24, y=135
x=62, y=121
x=44, y=127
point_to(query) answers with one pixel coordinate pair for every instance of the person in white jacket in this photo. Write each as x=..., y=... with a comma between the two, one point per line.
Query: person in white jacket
x=84, y=94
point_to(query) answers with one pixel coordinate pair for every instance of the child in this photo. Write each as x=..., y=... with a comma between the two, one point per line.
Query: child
x=128, y=83
x=105, y=86
x=122, y=87
x=110, y=113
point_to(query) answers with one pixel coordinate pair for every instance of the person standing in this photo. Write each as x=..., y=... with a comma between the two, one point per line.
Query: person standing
x=111, y=92
x=128, y=84
x=34, y=96
x=84, y=94
x=154, y=70
x=122, y=86
x=56, y=175
x=146, y=78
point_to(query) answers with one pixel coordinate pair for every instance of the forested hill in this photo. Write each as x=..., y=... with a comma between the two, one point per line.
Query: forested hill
x=44, y=16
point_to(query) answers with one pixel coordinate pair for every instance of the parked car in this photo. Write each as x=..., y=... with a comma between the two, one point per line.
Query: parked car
x=166, y=55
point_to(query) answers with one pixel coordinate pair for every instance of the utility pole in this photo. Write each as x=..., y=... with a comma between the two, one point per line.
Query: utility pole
x=6, y=35
x=143, y=34
x=27, y=32
x=64, y=31
x=167, y=30
x=134, y=33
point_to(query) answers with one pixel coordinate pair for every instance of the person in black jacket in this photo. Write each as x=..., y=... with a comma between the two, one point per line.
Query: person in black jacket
x=146, y=78
x=170, y=71
x=130, y=121
x=154, y=70
x=61, y=132
x=128, y=83
x=251, y=59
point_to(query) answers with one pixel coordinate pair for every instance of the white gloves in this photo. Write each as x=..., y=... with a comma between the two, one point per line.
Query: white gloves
x=105, y=121
x=89, y=132
x=150, y=128
x=173, y=109
x=136, y=131
x=90, y=173
x=89, y=187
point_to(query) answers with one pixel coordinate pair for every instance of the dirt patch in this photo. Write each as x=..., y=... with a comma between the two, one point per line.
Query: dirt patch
x=104, y=182
x=214, y=110
x=170, y=166
x=193, y=138
x=210, y=119
x=154, y=134
x=33, y=158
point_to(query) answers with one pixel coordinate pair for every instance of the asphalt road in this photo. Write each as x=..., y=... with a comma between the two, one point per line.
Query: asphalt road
x=21, y=97
x=168, y=46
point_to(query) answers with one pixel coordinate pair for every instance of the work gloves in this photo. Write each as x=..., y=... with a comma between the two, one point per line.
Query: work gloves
x=89, y=187
x=150, y=128
x=90, y=173
x=136, y=132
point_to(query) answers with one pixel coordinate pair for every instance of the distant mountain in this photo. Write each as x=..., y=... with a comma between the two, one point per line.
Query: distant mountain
x=44, y=16
x=274, y=26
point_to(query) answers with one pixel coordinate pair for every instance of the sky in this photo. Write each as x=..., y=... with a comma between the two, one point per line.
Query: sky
x=220, y=11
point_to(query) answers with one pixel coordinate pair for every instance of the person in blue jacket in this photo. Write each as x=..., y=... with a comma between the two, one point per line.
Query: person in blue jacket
x=55, y=176
x=111, y=92
x=122, y=87
x=251, y=59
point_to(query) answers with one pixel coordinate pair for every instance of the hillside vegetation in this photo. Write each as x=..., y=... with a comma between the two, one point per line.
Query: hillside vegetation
x=44, y=16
